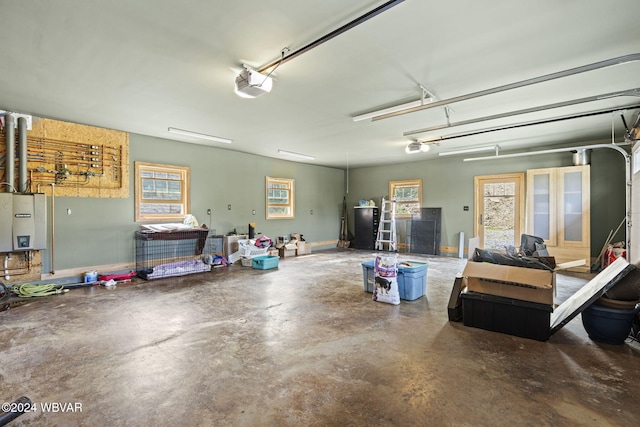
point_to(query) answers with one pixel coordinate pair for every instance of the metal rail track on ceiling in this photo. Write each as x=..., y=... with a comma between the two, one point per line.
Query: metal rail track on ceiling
x=630, y=92
x=566, y=73
x=359, y=20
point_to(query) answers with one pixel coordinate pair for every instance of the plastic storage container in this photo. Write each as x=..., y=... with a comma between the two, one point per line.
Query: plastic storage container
x=251, y=251
x=607, y=325
x=90, y=276
x=412, y=278
x=265, y=262
x=507, y=315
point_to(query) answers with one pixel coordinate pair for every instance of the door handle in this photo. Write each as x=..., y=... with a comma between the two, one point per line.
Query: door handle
x=480, y=219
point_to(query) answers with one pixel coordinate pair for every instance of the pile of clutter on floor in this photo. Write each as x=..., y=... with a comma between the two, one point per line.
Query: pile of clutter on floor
x=293, y=245
x=285, y=246
x=20, y=294
x=513, y=292
x=249, y=249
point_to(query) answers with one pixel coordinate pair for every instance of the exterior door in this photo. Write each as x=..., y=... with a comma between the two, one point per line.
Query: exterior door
x=499, y=210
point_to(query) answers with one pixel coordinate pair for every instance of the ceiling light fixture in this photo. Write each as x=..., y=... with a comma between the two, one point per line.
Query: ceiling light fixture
x=251, y=84
x=471, y=150
x=298, y=155
x=416, y=147
x=200, y=135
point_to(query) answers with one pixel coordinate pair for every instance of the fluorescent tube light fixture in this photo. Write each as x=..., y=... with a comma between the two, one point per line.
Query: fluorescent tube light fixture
x=298, y=155
x=471, y=150
x=199, y=135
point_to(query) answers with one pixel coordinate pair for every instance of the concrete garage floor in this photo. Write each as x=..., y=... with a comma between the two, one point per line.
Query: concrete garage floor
x=302, y=345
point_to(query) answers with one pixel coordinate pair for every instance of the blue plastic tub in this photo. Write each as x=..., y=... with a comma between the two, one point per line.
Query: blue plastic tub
x=608, y=325
x=265, y=262
x=412, y=278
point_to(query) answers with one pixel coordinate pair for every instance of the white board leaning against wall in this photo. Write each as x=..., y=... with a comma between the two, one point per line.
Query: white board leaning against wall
x=634, y=236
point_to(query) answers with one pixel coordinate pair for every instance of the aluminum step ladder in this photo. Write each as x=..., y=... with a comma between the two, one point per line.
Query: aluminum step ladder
x=387, y=227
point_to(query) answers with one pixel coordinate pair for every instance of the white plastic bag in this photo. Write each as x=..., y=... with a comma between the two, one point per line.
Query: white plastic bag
x=190, y=220
x=386, y=279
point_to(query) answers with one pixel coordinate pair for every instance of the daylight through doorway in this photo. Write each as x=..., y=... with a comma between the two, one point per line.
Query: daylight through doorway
x=499, y=210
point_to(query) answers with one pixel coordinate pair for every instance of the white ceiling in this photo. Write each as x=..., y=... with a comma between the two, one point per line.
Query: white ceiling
x=143, y=66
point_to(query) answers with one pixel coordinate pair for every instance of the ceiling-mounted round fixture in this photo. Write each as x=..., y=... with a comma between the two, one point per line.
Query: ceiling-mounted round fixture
x=251, y=84
x=416, y=147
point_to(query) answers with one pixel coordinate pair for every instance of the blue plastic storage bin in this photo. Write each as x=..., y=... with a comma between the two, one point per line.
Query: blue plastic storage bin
x=265, y=262
x=412, y=278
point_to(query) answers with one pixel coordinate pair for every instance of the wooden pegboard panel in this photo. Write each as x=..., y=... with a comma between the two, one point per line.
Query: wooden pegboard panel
x=23, y=267
x=80, y=160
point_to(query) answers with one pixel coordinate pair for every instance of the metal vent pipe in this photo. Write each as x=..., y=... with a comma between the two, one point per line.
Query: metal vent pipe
x=581, y=157
x=22, y=154
x=10, y=159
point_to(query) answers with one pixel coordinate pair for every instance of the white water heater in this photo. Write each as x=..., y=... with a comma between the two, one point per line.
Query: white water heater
x=23, y=222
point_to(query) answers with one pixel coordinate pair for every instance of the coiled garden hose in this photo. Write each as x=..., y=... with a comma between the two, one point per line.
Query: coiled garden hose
x=31, y=290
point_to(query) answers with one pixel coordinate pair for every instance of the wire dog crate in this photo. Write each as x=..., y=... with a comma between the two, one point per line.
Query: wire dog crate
x=175, y=253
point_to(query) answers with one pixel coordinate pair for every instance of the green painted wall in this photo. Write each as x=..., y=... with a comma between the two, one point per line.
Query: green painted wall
x=101, y=231
x=448, y=183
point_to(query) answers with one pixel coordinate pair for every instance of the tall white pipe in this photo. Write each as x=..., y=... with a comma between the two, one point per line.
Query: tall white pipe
x=7, y=258
x=10, y=159
x=53, y=222
x=22, y=154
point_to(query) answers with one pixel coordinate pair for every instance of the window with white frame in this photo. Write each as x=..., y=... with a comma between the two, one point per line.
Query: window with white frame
x=408, y=197
x=280, y=198
x=162, y=192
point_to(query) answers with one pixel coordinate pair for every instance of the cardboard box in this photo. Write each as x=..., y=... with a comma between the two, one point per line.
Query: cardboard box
x=532, y=320
x=288, y=250
x=302, y=248
x=526, y=284
x=231, y=246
